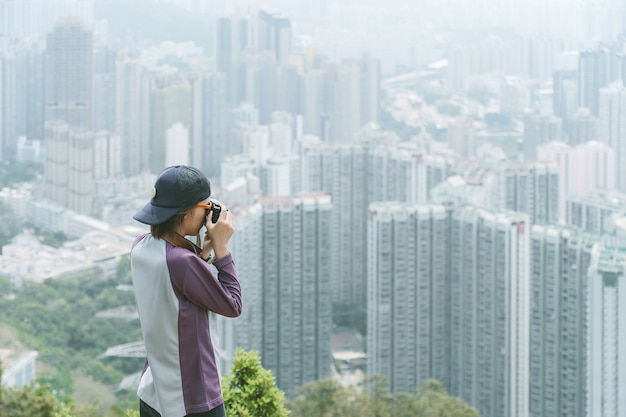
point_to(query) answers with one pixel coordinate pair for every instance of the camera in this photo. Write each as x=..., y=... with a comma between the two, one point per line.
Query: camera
x=216, y=209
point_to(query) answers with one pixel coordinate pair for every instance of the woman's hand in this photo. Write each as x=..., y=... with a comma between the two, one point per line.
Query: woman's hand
x=218, y=234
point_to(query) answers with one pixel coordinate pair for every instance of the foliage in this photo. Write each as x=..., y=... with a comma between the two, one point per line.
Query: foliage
x=58, y=319
x=5, y=286
x=9, y=225
x=404, y=131
x=27, y=401
x=327, y=398
x=250, y=390
x=17, y=172
x=54, y=239
x=122, y=273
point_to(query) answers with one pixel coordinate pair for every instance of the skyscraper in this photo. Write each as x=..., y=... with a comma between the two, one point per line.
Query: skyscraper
x=408, y=294
x=343, y=95
x=489, y=299
x=559, y=261
x=540, y=129
x=104, y=88
x=209, y=144
x=312, y=101
x=69, y=74
x=593, y=74
x=341, y=172
x=130, y=112
x=80, y=176
x=581, y=127
x=56, y=164
x=247, y=247
x=296, y=289
x=606, y=334
x=530, y=188
x=275, y=34
x=234, y=34
x=594, y=210
x=587, y=166
x=565, y=93
x=170, y=103
x=8, y=132
x=612, y=127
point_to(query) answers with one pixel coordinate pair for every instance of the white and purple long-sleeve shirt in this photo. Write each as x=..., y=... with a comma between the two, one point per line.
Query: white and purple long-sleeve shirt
x=175, y=291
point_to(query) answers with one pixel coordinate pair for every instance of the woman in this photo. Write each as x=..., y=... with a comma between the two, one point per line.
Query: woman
x=175, y=291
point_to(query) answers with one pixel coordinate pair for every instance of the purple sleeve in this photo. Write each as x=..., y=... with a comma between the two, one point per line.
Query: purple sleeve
x=222, y=295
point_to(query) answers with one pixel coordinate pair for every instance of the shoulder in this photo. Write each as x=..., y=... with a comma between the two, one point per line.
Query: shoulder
x=139, y=238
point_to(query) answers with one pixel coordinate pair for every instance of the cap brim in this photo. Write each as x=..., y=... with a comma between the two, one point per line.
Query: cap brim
x=153, y=215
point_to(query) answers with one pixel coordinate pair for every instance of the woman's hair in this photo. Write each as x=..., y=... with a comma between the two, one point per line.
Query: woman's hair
x=170, y=225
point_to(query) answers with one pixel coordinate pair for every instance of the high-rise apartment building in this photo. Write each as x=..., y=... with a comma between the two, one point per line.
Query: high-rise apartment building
x=8, y=92
x=594, y=211
x=593, y=74
x=32, y=18
x=606, y=334
x=559, y=261
x=408, y=294
x=370, y=89
x=461, y=137
x=514, y=96
x=274, y=34
x=530, y=188
x=540, y=129
x=612, y=127
x=80, y=176
x=170, y=104
x=341, y=172
x=237, y=166
x=247, y=248
x=132, y=114
x=234, y=34
x=69, y=167
x=209, y=143
x=312, y=104
x=177, y=145
x=581, y=127
x=104, y=89
x=490, y=311
x=69, y=74
x=21, y=95
x=56, y=163
x=280, y=175
x=296, y=288
x=587, y=166
x=565, y=93
x=343, y=92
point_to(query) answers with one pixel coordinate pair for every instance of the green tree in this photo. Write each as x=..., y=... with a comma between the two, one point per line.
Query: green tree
x=27, y=401
x=250, y=390
x=328, y=398
x=5, y=286
x=434, y=401
x=9, y=225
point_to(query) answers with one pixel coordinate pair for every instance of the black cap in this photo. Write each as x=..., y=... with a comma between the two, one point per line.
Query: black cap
x=176, y=187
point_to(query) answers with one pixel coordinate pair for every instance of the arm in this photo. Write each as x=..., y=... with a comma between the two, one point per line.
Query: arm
x=197, y=283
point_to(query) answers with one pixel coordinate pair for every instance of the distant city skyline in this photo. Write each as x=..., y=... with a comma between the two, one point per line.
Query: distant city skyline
x=452, y=171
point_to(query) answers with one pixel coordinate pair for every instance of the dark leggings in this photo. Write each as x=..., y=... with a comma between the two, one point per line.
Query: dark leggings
x=146, y=411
